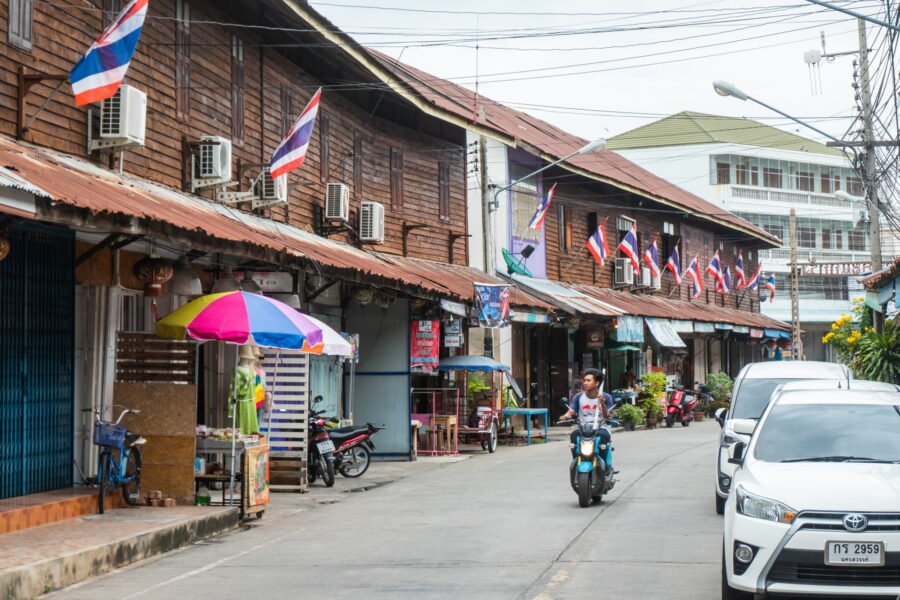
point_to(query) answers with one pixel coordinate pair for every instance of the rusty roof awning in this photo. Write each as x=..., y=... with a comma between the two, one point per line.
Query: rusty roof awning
x=132, y=203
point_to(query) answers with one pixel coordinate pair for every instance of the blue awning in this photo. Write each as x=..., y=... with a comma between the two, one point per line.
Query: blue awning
x=777, y=334
x=471, y=363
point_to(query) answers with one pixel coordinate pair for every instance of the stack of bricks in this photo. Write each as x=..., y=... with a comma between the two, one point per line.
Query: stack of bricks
x=156, y=498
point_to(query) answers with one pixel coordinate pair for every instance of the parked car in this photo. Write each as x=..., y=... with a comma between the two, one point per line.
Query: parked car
x=814, y=508
x=753, y=387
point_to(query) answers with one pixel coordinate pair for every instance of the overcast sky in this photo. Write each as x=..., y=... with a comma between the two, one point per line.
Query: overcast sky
x=644, y=59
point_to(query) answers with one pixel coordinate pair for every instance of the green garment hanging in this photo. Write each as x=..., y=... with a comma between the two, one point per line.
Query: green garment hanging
x=242, y=389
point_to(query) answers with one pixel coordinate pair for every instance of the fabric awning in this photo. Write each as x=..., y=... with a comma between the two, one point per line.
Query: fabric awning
x=664, y=333
x=777, y=334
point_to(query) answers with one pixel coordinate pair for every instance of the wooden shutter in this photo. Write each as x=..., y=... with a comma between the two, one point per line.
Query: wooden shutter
x=21, y=23
x=237, y=90
x=444, y=190
x=325, y=146
x=182, y=59
x=287, y=110
x=396, y=178
x=357, y=165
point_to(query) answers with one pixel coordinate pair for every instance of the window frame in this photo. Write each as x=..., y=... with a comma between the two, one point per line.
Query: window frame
x=21, y=12
x=237, y=90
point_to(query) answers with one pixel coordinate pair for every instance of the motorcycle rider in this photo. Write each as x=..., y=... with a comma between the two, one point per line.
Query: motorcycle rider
x=585, y=402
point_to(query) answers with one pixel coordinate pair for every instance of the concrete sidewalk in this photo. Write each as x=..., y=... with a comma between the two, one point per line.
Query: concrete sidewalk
x=38, y=560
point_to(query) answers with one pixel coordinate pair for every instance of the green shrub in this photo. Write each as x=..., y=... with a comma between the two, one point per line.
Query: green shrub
x=652, y=408
x=720, y=385
x=653, y=384
x=629, y=413
x=877, y=355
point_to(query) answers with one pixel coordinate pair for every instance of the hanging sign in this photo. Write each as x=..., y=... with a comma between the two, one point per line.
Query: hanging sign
x=424, y=346
x=492, y=305
x=594, y=338
x=629, y=329
x=453, y=334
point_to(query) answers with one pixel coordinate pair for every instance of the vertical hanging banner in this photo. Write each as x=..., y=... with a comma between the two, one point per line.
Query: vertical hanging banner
x=424, y=346
x=492, y=305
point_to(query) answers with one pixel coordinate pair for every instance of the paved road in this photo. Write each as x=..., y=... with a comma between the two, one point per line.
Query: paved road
x=503, y=526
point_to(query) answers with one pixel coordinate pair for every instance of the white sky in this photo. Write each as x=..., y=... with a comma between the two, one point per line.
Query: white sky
x=762, y=53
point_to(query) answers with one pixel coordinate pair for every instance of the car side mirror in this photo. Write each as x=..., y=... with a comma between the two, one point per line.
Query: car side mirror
x=736, y=453
x=744, y=426
x=720, y=416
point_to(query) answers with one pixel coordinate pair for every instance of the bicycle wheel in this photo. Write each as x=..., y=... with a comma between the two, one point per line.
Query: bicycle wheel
x=103, y=474
x=131, y=488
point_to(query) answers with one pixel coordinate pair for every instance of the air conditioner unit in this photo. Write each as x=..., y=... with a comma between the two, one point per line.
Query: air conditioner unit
x=212, y=164
x=646, y=278
x=656, y=282
x=123, y=119
x=337, y=202
x=371, y=222
x=624, y=272
x=268, y=190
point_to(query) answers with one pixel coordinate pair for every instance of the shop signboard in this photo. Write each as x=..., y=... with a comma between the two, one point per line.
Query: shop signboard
x=492, y=305
x=741, y=329
x=424, y=346
x=756, y=333
x=453, y=334
x=834, y=269
x=700, y=327
x=630, y=329
x=594, y=338
x=274, y=282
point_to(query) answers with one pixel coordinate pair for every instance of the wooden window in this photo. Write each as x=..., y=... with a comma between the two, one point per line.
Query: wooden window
x=746, y=174
x=837, y=182
x=838, y=240
x=771, y=177
x=444, y=190
x=111, y=10
x=324, y=147
x=287, y=109
x=825, y=182
x=723, y=173
x=21, y=23
x=562, y=226
x=856, y=240
x=237, y=90
x=396, y=178
x=358, y=164
x=806, y=181
x=183, y=59
x=826, y=239
x=806, y=237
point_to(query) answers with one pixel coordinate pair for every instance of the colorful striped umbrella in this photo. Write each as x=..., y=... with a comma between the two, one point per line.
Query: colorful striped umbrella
x=332, y=344
x=241, y=318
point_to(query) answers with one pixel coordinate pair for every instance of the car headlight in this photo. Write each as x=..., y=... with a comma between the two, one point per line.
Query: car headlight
x=751, y=505
x=587, y=448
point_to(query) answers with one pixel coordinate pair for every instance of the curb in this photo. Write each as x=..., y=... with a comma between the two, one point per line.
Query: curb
x=30, y=581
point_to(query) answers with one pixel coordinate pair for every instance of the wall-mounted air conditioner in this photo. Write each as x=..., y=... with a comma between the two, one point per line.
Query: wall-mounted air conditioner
x=337, y=202
x=624, y=273
x=123, y=120
x=211, y=166
x=268, y=190
x=645, y=278
x=371, y=222
x=656, y=282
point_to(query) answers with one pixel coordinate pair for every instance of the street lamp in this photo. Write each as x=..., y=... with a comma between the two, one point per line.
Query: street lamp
x=588, y=148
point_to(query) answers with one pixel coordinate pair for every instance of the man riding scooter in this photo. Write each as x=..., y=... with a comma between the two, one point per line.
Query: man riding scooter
x=585, y=403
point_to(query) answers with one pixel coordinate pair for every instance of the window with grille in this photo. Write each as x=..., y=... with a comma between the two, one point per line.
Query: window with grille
x=182, y=59
x=21, y=23
x=806, y=237
x=237, y=90
x=524, y=200
x=745, y=174
x=805, y=181
x=823, y=288
x=856, y=241
x=771, y=177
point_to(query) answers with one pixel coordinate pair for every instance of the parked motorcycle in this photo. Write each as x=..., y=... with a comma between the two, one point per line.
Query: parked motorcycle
x=591, y=471
x=354, y=445
x=321, y=456
x=680, y=406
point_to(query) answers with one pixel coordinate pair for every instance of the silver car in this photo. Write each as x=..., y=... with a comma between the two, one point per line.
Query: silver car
x=753, y=388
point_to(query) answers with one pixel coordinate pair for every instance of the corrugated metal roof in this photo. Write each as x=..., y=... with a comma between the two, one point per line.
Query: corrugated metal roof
x=687, y=128
x=555, y=142
x=566, y=297
x=879, y=278
x=9, y=178
x=83, y=184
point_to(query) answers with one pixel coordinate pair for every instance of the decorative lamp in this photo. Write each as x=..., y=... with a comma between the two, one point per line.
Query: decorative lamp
x=153, y=272
x=4, y=247
x=384, y=299
x=249, y=285
x=226, y=283
x=185, y=281
x=363, y=295
x=292, y=300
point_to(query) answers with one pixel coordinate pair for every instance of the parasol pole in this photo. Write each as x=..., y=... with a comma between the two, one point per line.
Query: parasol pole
x=237, y=356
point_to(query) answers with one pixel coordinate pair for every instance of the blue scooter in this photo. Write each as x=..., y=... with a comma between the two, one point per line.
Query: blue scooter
x=591, y=470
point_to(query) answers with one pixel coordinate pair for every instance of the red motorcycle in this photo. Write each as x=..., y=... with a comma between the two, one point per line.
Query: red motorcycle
x=680, y=406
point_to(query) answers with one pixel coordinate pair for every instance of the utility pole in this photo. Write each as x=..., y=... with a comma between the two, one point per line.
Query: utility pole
x=796, y=342
x=487, y=233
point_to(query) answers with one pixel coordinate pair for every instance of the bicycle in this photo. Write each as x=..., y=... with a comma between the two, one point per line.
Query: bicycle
x=120, y=459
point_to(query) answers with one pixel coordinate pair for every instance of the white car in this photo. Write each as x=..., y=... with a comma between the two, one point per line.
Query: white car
x=815, y=504
x=752, y=389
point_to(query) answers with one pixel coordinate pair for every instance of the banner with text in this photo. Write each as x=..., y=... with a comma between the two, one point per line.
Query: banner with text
x=492, y=305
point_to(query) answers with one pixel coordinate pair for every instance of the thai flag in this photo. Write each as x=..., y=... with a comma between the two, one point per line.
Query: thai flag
x=537, y=221
x=770, y=285
x=629, y=247
x=291, y=152
x=739, y=278
x=714, y=268
x=724, y=286
x=651, y=257
x=693, y=273
x=674, y=265
x=596, y=245
x=753, y=282
x=99, y=73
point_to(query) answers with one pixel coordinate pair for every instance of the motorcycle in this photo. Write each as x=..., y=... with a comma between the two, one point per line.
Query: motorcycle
x=321, y=457
x=354, y=445
x=591, y=471
x=680, y=406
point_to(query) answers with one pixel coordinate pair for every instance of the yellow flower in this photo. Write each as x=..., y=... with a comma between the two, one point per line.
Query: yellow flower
x=835, y=326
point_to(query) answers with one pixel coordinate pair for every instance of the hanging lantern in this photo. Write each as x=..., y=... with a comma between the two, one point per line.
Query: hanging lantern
x=153, y=272
x=185, y=281
x=4, y=247
x=384, y=299
x=363, y=295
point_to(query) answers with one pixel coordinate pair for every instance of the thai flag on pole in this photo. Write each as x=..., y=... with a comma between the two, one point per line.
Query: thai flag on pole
x=724, y=286
x=714, y=268
x=291, y=152
x=770, y=285
x=753, y=282
x=100, y=72
x=537, y=221
x=651, y=257
x=739, y=278
x=596, y=245
x=674, y=265
x=693, y=273
x=629, y=247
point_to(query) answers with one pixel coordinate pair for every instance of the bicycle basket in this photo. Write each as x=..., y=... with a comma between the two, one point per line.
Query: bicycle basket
x=109, y=434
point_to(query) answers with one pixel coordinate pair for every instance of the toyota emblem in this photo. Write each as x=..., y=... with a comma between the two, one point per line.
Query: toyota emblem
x=855, y=522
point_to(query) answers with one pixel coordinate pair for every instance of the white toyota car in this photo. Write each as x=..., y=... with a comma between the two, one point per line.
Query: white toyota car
x=814, y=508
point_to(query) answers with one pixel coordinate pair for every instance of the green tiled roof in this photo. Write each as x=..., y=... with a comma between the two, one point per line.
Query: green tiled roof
x=697, y=128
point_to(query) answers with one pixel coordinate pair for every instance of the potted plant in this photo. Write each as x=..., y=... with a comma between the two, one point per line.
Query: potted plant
x=720, y=386
x=653, y=385
x=630, y=416
x=653, y=409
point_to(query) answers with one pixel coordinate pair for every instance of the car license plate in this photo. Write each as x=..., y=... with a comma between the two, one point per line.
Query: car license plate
x=326, y=446
x=855, y=554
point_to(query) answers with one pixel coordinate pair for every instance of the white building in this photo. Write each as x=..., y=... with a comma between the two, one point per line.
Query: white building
x=760, y=173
